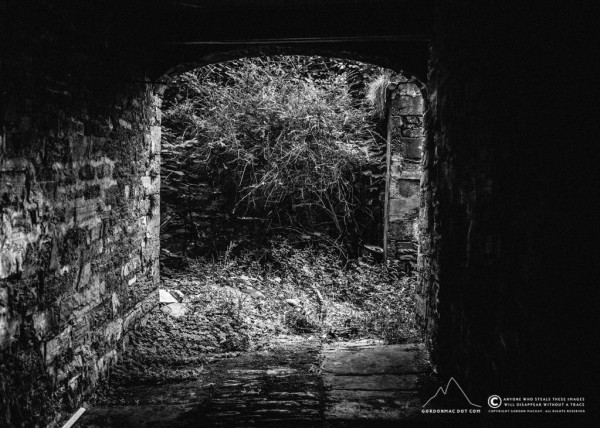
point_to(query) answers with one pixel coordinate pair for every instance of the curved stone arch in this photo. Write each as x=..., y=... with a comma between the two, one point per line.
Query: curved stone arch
x=405, y=106
x=187, y=59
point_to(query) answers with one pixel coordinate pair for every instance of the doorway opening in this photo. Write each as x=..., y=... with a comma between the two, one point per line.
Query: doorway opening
x=289, y=224
x=278, y=183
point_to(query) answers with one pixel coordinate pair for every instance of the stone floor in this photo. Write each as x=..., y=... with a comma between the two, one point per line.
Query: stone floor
x=297, y=383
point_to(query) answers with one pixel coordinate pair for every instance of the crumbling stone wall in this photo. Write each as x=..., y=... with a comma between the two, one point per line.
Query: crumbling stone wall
x=406, y=135
x=208, y=222
x=205, y=224
x=79, y=221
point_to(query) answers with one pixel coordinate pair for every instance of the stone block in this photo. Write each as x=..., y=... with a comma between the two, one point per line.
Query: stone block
x=103, y=170
x=413, y=147
x=12, y=188
x=408, y=89
x=139, y=310
x=84, y=275
x=400, y=188
x=81, y=147
x=11, y=261
x=420, y=306
x=404, y=245
x=44, y=323
x=131, y=266
x=82, y=302
x=58, y=345
x=401, y=206
x=407, y=105
x=413, y=119
x=81, y=330
x=87, y=172
x=153, y=139
x=114, y=331
x=412, y=132
x=151, y=185
x=9, y=325
x=403, y=227
x=410, y=171
x=125, y=124
x=105, y=361
x=86, y=213
x=115, y=304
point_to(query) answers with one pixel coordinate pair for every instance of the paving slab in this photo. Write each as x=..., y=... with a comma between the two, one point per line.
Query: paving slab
x=376, y=382
x=301, y=384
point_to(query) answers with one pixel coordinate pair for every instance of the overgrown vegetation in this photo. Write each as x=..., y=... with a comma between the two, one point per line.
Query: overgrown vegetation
x=290, y=137
x=241, y=303
x=294, y=141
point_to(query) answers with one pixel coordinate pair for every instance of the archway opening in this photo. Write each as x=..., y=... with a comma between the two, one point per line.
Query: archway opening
x=289, y=227
x=283, y=158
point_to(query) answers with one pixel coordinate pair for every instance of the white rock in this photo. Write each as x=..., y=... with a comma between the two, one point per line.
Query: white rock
x=165, y=297
x=374, y=248
x=175, y=310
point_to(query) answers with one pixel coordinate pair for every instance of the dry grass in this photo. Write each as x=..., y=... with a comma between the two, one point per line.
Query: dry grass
x=377, y=94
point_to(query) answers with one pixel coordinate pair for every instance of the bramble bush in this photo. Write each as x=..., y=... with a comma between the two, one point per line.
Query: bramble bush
x=288, y=136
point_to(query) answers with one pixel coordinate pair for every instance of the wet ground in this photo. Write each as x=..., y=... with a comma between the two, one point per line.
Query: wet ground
x=297, y=382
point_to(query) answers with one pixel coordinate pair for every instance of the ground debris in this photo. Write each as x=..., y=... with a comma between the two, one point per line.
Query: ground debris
x=235, y=310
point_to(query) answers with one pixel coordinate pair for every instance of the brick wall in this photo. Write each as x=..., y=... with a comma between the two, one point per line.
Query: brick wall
x=79, y=216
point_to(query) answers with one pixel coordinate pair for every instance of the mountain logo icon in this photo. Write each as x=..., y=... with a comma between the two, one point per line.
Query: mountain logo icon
x=450, y=397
